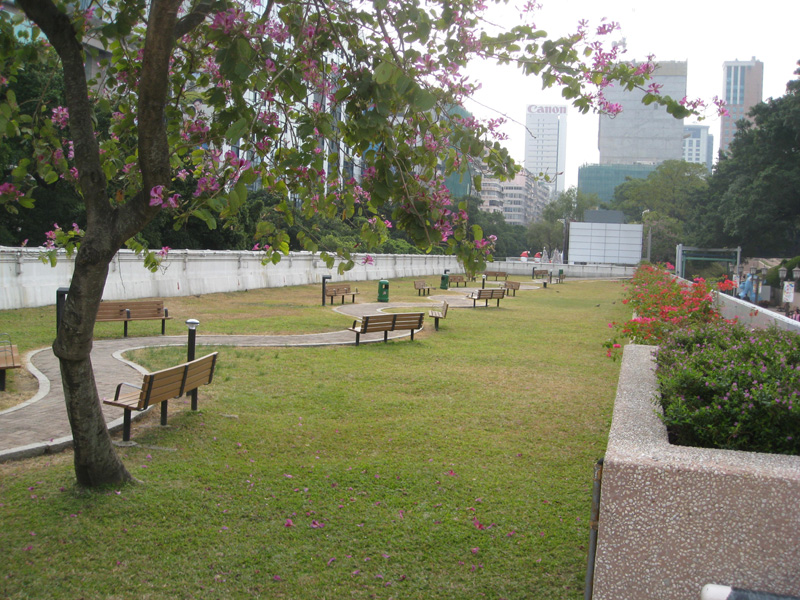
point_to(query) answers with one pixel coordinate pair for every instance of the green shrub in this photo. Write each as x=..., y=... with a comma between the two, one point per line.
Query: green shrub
x=723, y=386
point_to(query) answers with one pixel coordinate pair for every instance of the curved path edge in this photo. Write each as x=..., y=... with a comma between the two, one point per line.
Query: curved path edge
x=43, y=417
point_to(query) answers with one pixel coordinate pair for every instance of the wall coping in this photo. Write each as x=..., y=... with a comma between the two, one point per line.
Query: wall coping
x=637, y=433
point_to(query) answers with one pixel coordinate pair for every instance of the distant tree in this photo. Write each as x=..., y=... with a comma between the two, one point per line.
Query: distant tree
x=754, y=193
x=672, y=190
x=545, y=234
x=664, y=233
x=570, y=205
x=511, y=238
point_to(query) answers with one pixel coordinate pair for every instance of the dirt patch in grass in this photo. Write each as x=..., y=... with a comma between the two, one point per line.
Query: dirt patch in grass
x=20, y=386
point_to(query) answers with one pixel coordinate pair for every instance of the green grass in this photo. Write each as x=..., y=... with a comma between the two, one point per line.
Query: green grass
x=400, y=450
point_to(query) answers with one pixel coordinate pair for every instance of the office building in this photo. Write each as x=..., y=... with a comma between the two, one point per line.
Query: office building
x=603, y=179
x=644, y=133
x=698, y=145
x=546, y=144
x=743, y=83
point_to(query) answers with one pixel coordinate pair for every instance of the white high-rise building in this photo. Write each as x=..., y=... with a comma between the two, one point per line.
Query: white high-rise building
x=546, y=144
x=698, y=145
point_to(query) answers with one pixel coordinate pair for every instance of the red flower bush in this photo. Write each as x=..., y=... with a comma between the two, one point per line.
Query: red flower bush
x=662, y=303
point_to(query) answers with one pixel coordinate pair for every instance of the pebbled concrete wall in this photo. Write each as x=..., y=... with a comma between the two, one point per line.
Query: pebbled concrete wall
x=674, y=518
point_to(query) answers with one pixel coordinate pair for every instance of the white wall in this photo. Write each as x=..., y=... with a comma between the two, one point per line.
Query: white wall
x=27, y=282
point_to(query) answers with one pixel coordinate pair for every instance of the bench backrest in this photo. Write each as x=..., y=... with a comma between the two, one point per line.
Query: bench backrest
x=337, y=290
x=140, y=309
x=9, y=356
x=495, y=274
x=391, y=322
x=456, y=278
x=200, y=372
x=420, y=285
x=511, y=285
x=444, y=308
x=491, y=293
x=176, y=381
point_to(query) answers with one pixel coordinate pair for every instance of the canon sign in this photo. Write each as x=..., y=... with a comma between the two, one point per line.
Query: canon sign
x=553, y=110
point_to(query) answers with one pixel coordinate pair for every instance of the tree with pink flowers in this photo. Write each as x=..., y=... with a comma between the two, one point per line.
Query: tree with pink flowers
x=338, y=108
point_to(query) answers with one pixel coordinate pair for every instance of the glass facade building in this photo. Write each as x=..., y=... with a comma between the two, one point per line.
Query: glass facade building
x=603, y=179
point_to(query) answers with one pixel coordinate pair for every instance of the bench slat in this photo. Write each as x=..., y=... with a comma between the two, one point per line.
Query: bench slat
x=162, y=386
x=9, y=357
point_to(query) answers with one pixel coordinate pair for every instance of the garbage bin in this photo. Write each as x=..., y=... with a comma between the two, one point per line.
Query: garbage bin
x=383, y=291
x=445, y=284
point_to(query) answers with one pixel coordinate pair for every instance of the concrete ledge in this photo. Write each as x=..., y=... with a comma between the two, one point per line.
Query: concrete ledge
x=675, y=518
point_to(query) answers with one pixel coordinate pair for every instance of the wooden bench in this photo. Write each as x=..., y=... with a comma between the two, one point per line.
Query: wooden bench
x=457, y=279
x=540, y=273
x=510, y=286
x=334, y=291
x=496, y=274
x=133, y=310
x=387, y=323
x=422, y=287
x=487, y=294
x=438, y=314
x=162, y=386
x=9, y=358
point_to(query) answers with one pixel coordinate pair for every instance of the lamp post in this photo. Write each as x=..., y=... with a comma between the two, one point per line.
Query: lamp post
x=192, y=325
x=649, y=234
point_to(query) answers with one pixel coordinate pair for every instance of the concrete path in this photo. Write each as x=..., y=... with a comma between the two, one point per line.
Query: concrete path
x=40, y=425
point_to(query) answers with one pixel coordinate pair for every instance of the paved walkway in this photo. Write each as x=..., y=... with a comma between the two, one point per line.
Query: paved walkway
x=40, y=425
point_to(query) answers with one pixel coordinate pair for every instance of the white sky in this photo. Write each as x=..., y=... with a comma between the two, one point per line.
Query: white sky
x=702, y=32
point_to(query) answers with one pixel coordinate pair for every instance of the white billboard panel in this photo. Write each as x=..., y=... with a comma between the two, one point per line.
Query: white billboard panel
x=605, y=243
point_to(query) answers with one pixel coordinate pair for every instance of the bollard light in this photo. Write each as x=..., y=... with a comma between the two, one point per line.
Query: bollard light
x=192, y=325
x=483, y=283
x=325, y=279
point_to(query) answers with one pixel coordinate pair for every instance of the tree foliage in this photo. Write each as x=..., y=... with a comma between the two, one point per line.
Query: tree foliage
x=336, y=109
x=672, y=190
x=570, y=205
x=754, y=194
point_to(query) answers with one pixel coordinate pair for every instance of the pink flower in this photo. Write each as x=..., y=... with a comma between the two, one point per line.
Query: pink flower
x=60, y=117
x=288, y=523
x=156, y=195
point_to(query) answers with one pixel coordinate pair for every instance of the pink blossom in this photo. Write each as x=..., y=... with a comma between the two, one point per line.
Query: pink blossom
x=156, y=195
x=60, y=117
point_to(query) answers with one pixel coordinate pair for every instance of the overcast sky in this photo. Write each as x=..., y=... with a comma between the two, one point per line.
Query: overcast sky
x=702, y=32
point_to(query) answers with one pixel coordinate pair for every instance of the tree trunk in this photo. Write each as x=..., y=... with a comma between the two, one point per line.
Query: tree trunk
x=96, y=462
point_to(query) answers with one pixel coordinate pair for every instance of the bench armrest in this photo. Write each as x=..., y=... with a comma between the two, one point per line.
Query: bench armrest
x=119, y=387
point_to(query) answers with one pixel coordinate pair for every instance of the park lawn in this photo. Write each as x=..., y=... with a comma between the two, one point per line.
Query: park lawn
x=458, y=465
x=269, y=311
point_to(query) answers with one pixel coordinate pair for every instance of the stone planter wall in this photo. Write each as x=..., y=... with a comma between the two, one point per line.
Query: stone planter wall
x=675, y=518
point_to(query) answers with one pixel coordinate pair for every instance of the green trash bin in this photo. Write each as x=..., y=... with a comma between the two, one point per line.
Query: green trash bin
x=383, y=291
x=445, y=284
